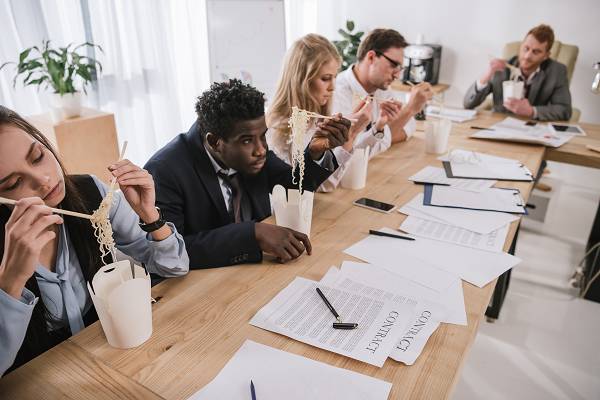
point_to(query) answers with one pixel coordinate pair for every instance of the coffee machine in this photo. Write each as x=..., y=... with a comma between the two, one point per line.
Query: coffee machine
x=422, y=62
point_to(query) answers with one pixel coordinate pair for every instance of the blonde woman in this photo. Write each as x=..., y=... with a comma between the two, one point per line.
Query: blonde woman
x=307, y=81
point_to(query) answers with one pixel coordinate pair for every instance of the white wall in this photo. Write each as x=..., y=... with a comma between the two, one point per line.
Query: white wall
x=469, y=30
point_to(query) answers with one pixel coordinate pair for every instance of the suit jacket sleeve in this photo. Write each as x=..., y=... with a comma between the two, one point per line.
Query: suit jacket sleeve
x=559, y=106
x=473, y=97
x=210, y=248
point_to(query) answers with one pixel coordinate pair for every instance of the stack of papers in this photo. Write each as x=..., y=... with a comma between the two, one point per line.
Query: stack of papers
x=431, y=229
x=492, y=199
x=437, y=176
x=453, y=114
x=276, y=375
x=483, y=222
x=475, y=266
x=397, y=310
x=472, y=165
x=515, y=130
x=419, y=281
x=299, y=312
x=427, y=315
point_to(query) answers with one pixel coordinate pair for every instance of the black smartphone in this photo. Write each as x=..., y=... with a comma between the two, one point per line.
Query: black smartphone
x=374, y=205
x=567, y=128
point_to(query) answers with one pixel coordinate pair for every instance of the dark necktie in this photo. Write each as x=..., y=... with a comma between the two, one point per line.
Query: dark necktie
x=525, y=86
x=233, y=182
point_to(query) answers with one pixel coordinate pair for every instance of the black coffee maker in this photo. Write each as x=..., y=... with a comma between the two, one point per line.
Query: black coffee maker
x=422, y=63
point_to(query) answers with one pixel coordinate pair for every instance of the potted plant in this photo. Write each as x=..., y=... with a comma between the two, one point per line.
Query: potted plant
x=63, y=69
x=348, y=47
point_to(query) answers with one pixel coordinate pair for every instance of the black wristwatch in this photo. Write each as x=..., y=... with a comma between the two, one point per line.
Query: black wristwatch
x=153, y=226
x=379, y=134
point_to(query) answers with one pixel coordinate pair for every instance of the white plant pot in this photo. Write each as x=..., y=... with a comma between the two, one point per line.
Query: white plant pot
x=65, y=106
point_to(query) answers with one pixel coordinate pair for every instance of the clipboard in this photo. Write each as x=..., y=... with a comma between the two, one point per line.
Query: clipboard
x=518, y=207
x=527, y=175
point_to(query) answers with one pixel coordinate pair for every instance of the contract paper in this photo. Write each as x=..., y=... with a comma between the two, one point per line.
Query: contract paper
x=515, y=130
x=424, y=321
x=298, y=312
x=451, y=297
x=493, y=241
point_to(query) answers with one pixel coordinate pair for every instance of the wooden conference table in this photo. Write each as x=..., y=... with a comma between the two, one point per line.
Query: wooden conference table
x=202, y=319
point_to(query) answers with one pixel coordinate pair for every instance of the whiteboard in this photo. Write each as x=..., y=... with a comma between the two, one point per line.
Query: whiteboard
x=246, y=40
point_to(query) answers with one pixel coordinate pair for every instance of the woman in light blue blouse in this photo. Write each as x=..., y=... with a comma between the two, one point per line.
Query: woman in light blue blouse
x=47, y=259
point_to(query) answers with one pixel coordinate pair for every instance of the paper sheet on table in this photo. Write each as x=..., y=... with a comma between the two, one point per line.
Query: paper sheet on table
x=277, y=374
x=483, y=157
x=453, y=114
x=477, y=221
x=474, y=266
x=298, y=312
x=451, y=297
x=466, y=164
x=515, y=130
x=493, y=241
x=438, y=176
x=422, y=324
x=492, y=199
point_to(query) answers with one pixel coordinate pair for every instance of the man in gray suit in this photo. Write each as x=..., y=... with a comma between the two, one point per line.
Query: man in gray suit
x=546, y=87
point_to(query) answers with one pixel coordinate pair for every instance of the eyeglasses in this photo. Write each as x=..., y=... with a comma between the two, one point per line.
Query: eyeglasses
x=395, y=64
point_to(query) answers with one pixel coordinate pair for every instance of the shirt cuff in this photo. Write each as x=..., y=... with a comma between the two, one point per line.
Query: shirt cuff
x=24, y=304
x=342, y=155
x=480, y=86
x=320, y=160
x=410, y=127
x=535, y=113
x=173, y=233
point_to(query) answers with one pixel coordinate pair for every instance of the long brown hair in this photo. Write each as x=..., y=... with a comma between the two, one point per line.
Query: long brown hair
x=37, y=338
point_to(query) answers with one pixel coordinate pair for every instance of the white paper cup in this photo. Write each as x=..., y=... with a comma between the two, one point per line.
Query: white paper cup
x=355, y=175
x=436, y=135
x=512, y=90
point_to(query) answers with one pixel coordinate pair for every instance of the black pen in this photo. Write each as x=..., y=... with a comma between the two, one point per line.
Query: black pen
x=339, y=324
x=482, y=128
x=378, y=233
x=252, y=390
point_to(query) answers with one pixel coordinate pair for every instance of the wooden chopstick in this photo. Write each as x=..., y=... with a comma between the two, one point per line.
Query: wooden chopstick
x=317, y=115
x=113, y=181
x=11, y=202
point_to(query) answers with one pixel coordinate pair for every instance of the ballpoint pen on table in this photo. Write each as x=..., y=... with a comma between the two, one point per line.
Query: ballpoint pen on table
x=339, y=324
x=252, y=390
x=378, y=233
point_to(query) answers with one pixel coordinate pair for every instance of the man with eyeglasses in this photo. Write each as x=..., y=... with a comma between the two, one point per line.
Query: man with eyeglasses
x=379, y=56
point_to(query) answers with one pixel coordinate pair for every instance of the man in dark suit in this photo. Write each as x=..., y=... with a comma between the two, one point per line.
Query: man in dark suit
x=546, y=86
x=213, y=182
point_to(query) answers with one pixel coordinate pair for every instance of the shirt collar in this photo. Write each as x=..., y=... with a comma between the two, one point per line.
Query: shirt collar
x=216, y=166
x=355, y=85
x=61, y=271
x=530, y=78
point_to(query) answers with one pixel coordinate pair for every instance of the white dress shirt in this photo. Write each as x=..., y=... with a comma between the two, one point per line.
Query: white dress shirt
x=225, y=189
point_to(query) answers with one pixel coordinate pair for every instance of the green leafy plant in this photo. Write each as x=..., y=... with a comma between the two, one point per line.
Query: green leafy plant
x=348, y=46
x=57, y=68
